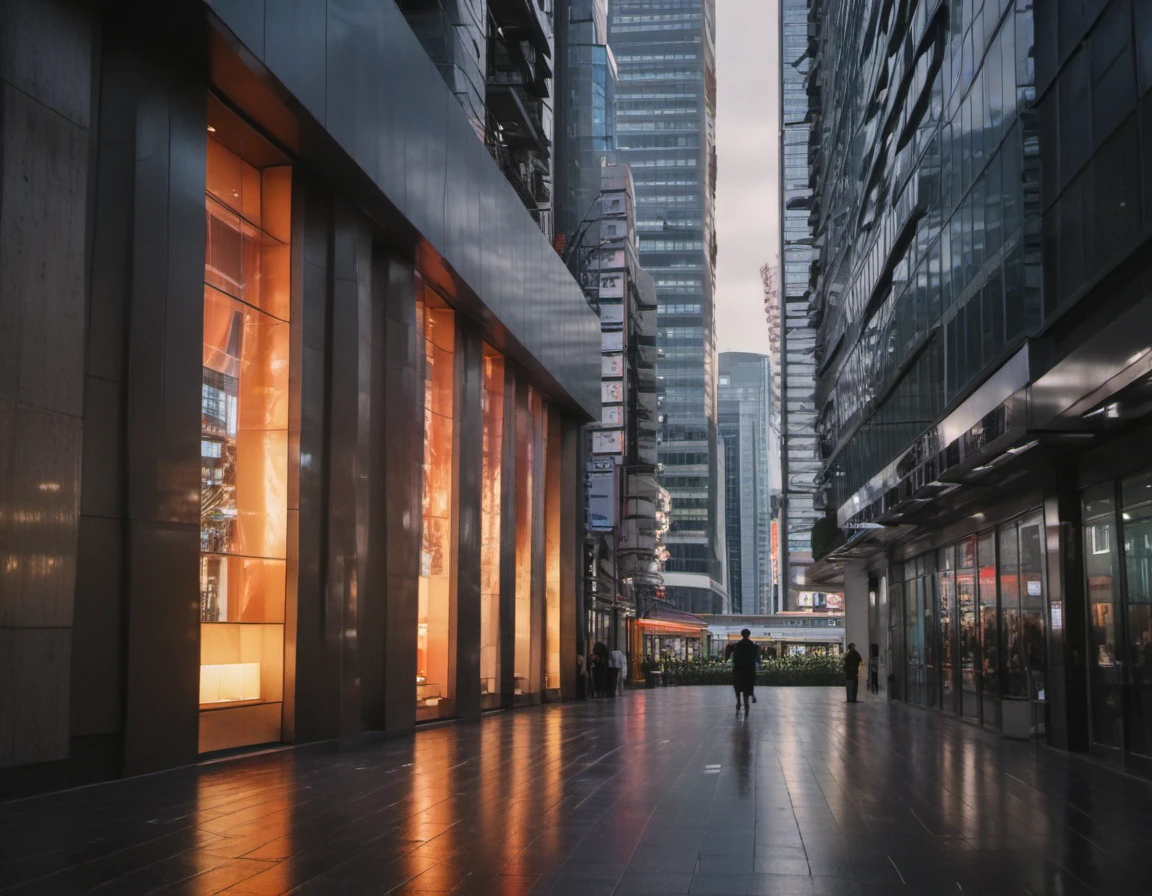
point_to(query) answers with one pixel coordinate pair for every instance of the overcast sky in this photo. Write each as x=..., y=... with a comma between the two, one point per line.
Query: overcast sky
x=747, y=189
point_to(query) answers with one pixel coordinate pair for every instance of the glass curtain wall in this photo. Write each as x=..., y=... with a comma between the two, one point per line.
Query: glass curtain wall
x=493, y=448
x=437, y=324
x=244, y=451
x=946, y=588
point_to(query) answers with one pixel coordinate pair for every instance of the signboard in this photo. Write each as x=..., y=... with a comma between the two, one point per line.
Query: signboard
x=612, y=416
x=610, y=441
x=836, y=601
x=613, y=365
x=611, y=314
x=612, y=342
x=612, y=285
x=602, y=501
x=611, y=392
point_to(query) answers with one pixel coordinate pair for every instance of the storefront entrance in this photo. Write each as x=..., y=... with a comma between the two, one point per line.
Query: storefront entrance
x=1119, y=588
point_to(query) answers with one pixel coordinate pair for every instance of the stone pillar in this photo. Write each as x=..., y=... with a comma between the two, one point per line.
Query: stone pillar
x=46, y=51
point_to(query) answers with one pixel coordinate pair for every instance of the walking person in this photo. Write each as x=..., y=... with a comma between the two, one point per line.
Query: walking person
x=618, y=660
x=745, y=656
x=852, y=663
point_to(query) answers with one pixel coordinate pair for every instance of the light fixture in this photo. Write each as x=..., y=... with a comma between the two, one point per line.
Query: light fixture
x=211, y=130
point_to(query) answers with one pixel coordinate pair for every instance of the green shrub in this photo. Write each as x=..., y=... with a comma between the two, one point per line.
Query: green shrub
x=811, y=669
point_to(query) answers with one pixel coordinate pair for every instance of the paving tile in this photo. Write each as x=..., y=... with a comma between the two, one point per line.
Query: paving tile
x=570, y=800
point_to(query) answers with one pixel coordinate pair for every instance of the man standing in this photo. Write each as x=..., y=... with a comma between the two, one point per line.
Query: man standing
x=745, y=654
x=619, y=661
x=852, y=661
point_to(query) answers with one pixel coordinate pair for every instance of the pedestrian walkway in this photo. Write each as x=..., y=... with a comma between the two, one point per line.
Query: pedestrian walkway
x=659, y=792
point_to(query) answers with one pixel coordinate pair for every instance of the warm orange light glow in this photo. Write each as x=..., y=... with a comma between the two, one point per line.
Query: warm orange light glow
x=229, y=682
x=490, y=498
x=660, y=625
x=437, y=555
x=244, y=449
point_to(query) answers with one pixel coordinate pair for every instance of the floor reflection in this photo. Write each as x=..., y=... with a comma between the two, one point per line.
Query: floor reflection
x=658, y=792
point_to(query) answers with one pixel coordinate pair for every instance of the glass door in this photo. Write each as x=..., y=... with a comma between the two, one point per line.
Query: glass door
x=947, y=588
x=989, y=673
x=969, y=635
x=1136, y=493
x=1105, y=654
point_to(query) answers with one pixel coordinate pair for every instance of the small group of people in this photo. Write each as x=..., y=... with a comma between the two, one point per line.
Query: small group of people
x=606, y=673
x=745, y=657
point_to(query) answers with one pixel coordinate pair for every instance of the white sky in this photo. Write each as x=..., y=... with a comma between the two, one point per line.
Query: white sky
x=747, y=144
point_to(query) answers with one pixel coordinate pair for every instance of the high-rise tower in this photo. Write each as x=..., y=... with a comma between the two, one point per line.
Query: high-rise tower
x=666, y=131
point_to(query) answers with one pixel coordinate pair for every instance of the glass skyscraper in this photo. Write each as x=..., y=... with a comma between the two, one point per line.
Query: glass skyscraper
x=744, y=414
x=666, y=104
x=797, y=322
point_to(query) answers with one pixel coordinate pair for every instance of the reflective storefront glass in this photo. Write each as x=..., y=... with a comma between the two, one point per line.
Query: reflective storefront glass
x=493, y=448
x=528, y=437
x=244, y=451
x=974, y=628
x=1136, y=519
x=437, y=325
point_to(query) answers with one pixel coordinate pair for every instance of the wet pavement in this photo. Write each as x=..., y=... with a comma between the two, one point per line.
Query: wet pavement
x=659, y=792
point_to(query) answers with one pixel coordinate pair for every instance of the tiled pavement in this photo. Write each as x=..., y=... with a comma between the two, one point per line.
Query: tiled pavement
x=660, y=792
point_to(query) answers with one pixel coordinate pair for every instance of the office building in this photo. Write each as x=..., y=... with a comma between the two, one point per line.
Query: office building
x=791, y=310
x=744, y=415
x=665, y=132
x=984, y=297
x=292, y=389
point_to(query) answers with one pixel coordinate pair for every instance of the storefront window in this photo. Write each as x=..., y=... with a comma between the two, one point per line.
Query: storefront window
x=551, y=442
x=437, y=324
x=947, y=585
x=1106, y=675
x=1033, y=612
x=527, y=429
x=968, y=634
x=244, y=451
x=493, y=413
x=1010, y=629
x=1136, y=493
x=989, y=629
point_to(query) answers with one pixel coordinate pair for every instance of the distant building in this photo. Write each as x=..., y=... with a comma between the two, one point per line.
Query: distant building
x=744, y=414
x=666, y=132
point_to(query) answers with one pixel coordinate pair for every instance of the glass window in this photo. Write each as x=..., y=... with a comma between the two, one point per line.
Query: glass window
x=437, y=325
x=493, y=457
x=1033, y=615
x=988, y=624
x=1105, y=653
x=244, y=451
x=528, y=435
x=1137, y=523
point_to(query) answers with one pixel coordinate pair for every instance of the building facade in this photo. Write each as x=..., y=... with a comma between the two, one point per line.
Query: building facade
x=292, y=392
x=744, y=415
x=665, y=132
x=985, y=293
x=793, y=315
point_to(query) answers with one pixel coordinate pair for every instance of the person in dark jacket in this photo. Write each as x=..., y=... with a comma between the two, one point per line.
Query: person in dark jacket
x=852, y=662
x=745, y=655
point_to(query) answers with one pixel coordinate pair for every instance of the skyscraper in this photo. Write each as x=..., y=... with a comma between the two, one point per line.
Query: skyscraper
x=745, y=406
x=792, y=315
x=666, y=102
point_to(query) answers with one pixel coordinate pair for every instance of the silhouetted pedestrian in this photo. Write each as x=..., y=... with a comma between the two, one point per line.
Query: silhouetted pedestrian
x=852, y=662
x=745, y=655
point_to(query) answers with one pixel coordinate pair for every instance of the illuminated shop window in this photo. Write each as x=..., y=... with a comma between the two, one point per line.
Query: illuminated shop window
x=437, y=552
x=244, y=451
x=490, y=528
x=551, y=443
x=527, y=433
